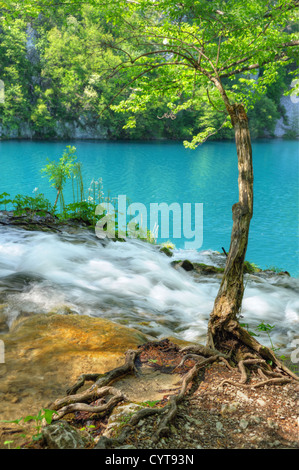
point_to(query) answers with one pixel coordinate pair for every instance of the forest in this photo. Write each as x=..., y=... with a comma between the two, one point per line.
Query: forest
x=56, y=70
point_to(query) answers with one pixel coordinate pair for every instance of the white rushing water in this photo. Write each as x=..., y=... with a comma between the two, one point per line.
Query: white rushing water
x=134, y=284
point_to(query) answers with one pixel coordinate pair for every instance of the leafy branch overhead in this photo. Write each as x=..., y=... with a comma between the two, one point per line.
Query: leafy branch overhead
x=202, y=52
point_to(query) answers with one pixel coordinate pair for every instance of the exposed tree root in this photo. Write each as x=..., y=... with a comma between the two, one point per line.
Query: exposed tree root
x=101, y=390
x=246, y=347
x=92, y=395
x=278, y=380
x=102, y=380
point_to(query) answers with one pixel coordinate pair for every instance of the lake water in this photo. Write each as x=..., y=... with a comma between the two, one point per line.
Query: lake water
x=166, y=172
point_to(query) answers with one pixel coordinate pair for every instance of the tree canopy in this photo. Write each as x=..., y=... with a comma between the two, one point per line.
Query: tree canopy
x=157, y=62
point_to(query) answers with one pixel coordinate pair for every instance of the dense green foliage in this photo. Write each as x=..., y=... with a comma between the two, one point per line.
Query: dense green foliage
x=56, y=74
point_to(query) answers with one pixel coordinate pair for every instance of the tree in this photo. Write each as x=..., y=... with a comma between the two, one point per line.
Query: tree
x=206, y=51
x=60, y=171
x=16, y=71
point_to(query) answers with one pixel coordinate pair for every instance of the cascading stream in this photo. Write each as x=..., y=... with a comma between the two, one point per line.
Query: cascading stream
x=134, y=284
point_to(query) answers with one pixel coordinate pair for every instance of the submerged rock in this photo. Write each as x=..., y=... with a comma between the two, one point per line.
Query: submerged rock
x=200, y=268
x=166, y=251
x=44, y=354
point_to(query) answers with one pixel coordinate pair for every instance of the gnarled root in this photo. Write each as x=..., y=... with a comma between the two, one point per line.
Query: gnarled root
x=259, y=355
x=172, y=407
x=263, y=352
x=169, y=411
x=97, y=393
x=79, y=402
x=255, y=357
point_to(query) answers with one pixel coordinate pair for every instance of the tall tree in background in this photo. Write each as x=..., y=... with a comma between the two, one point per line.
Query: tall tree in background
x=198, y=52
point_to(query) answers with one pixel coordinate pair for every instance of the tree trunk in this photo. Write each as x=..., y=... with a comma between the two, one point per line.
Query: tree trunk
x=229, y=298
x=57, y=196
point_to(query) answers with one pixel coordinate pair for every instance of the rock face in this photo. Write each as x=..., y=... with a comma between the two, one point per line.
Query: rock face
x=291, y=105
x=61, y=130
x=44, y=354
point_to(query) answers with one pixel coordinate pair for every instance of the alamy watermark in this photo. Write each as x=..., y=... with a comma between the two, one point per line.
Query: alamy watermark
x=135, y=221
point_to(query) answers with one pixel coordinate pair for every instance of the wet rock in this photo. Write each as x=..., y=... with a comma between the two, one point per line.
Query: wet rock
x=44, y=354
x=61, y=435
x=166, y=251
x=243, y=423
x=207, y=269
x=119, y=417
x=187, y=265
x=199, y=268
x=229, y=408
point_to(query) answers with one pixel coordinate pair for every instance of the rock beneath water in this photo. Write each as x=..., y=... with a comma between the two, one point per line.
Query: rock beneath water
x=45, y=354
x=166, y=251
x=200, y=268
x=187, y=265
x=61, y=435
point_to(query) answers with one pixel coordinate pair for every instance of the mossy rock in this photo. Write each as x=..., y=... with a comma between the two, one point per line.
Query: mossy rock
x=207, y=269
x=251, y=268
x=200, y=268
x=166, y=251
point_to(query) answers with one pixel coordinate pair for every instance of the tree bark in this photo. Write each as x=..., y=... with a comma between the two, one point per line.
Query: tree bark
x=229, y=298
x=57, y=196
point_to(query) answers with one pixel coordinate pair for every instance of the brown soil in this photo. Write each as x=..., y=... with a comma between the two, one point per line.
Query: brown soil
x=212, y=416
x=230, y=417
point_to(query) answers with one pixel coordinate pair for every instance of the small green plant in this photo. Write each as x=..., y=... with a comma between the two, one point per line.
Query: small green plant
x=4, y=199
x=88, y=427
x=275, y=269
x=81, y=210
x=265, y=327
x=7, y=443
x=43, y=414
x=150, y=403
x=245, y=325
x=251, y=268
x=33, y=204
x=262, y=327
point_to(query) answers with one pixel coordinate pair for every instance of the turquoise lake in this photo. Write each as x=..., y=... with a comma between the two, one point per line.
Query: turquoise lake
x=166, y=172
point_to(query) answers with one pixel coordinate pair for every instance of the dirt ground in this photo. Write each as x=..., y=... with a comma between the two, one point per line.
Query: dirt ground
x=231, y=417
x=212, y=415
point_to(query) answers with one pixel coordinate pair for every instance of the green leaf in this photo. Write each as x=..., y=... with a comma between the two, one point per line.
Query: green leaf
x=48, y=415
